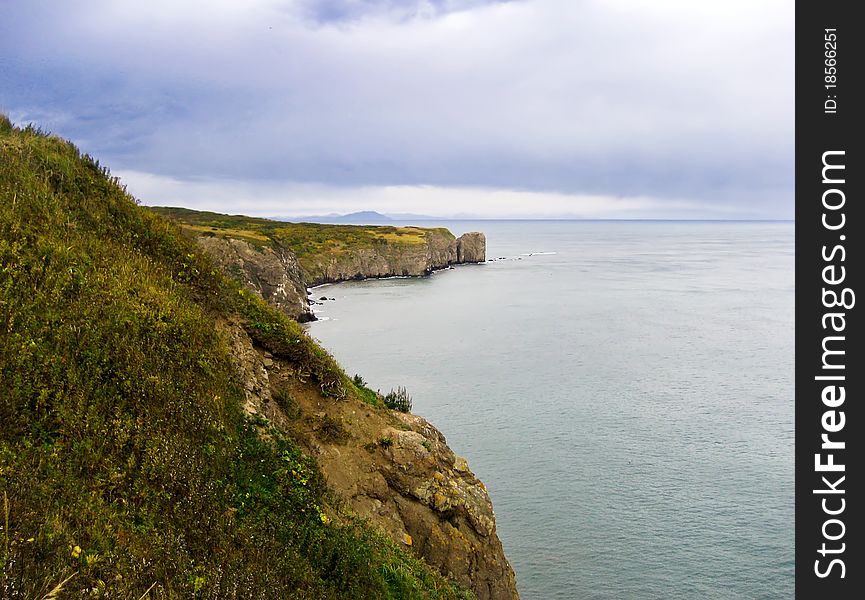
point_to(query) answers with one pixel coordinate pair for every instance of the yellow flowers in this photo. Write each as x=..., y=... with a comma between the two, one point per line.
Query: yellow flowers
x=300, y=475
x=87, y=558
x=324, y=518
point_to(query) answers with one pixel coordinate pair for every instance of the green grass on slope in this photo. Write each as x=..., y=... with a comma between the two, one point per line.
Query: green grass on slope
x=126, y=463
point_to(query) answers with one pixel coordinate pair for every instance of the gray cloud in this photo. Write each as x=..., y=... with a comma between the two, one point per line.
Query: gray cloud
x=671, y=99
x=348, y=11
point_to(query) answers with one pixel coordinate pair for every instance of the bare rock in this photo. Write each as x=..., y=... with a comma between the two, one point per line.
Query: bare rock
x=272, y=273
x=438, y=251
x=471, y=247
x=250, y=365
x=387, y=260
x=441, y=251
x=397, y=471
x=446, y=509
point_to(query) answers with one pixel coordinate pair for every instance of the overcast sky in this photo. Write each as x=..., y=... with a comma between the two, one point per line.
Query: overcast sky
x=583, y=108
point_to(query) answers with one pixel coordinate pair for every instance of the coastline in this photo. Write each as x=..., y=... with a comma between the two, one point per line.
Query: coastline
x=394, y=469
x=386, y=277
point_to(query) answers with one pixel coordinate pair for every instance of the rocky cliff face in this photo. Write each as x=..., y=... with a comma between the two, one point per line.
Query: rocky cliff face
x=392, y=468
x=445, y=510
x=272, y=273
x=389, y=260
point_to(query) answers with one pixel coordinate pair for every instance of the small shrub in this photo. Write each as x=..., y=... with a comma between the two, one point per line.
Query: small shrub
x=385, y=441
x=259, y=420
x=398, y=400
x=332, y=430
x=358, y=380
x=290, y=407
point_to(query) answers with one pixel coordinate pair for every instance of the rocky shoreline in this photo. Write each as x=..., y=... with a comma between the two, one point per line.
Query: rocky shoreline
x=274, y=273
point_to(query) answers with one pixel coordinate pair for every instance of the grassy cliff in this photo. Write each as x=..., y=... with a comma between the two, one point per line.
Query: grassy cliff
x=128, y=468
x=314, y=244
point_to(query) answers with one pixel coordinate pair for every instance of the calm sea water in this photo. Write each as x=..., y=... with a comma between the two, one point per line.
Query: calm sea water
x=624, y=389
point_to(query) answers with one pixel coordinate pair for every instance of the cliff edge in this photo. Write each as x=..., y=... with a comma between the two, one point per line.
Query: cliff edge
x=391, y=258
x=393, y=468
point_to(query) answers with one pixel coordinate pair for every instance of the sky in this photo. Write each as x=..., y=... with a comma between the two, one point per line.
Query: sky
x=473, y=108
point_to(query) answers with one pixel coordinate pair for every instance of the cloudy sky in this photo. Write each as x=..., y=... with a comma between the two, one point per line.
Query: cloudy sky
x=524, y=108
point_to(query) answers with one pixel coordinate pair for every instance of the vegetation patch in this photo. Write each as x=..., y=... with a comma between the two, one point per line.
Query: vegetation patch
x=398, y=400
x=332, y=431
x=364, y=392
x=286, y=402
x=227, y=232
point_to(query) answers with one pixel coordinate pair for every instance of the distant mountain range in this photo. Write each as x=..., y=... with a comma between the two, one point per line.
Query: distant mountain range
x=371, y=217
x=365, y=217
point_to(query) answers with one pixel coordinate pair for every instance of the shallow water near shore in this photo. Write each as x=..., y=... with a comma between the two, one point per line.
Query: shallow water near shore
x=624, y=389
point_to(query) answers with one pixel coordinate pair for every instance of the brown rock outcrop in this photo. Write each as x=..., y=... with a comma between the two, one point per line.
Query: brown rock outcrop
x=445, y=509
x=471, y=247
x=270, y=272
x=392, y=468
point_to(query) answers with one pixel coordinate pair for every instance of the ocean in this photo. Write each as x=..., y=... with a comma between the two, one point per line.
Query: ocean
x=623, y=388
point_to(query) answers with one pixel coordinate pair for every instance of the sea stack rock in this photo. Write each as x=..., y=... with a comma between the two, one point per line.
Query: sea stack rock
x=471, y=247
